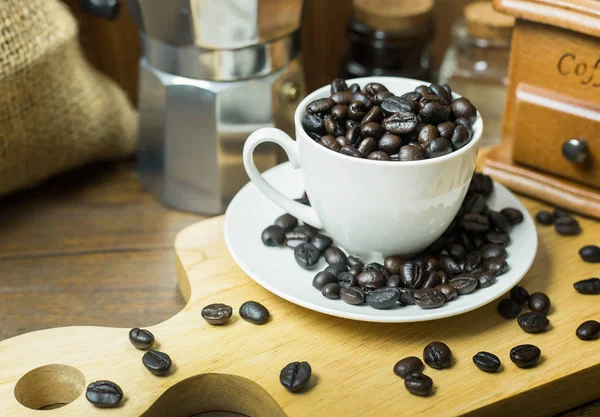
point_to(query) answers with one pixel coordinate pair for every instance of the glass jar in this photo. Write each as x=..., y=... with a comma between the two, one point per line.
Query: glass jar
x=476, y=64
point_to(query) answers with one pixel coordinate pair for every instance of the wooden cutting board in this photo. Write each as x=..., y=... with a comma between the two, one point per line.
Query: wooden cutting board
x=236, y=367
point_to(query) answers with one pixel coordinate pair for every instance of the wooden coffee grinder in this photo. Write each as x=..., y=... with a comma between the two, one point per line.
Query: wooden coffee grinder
x=550, y=147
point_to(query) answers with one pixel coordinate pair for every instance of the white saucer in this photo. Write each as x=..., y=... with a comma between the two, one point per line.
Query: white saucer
x=276, y=270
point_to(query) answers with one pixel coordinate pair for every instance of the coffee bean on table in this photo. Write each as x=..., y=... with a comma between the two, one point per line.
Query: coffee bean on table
x=383, y=298
x=254, y=312
x=428, y=298
x=295, y=376
x=419, y=384
x=539, y=302
x=273, y=236
x=485, y=279
x=287, y=222
x=158, y=363
x=353, y=295
x=497, y=266
x=590, y=253
x=321, y=242
x=334, y=255
x=493, y=250
x=513, y=215
x=408, y=366
x=567, y=226
x=217, y=314
x=104, y=394
x=588, y=330
x=533, y=322
x=346, y=280
x=544, y=217
x=486, y=361
x=509, y=308
x=525, y=356
x=560, y=213
x=323, y=278
x=307, y=255
x=331, y=291
x=336, y=269
x=371, y=279
x=519, y=294
x=437, y=355
x=448, y=290
x=588, y=286
x=141, y=338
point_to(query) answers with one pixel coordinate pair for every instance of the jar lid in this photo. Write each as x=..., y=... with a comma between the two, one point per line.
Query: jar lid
x=393, y=15
x=484, y=22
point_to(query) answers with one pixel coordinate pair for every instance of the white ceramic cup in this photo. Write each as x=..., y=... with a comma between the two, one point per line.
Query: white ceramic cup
x=370, y=207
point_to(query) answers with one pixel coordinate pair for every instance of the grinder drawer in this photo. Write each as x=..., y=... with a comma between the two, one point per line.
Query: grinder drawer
x=545, y=122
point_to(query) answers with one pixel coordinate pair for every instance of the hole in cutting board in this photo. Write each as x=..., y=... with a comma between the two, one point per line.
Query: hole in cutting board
x=49, y=387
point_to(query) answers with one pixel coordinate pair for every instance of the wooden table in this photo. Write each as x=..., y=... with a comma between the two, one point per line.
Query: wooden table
x=93, y=248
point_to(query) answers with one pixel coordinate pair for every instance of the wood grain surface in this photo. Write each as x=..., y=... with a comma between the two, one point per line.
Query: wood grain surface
x=98, y=276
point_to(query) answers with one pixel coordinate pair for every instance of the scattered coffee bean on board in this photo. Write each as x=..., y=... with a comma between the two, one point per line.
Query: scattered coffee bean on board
x=525, y=356
x=519, y=294
x=141, y=338
x=509, y=308
x=590, y=253
x=437, y=355
x=544, y=217
x=408, y=366
x=588, y=286
x=588, y=330
x=486, y=361
x=419, y=384
x=295, y=376
x=254, y=312
x=217, y=314
x=533, y=322
x=539, y=302
x=567, y=226
x=104, y=394
x=158, y=363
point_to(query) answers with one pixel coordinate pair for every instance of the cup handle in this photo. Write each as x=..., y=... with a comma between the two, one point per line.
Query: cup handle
x=268, y=134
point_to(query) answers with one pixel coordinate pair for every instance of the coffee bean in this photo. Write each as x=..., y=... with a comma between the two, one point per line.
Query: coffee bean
x=408, y=366
x=519, y=294
x=473, y=261
x=567, y=226
x=254, y=312
x=273, y=236
x=379, y=156
x=371, y=279
x=351, y=151
x=590, y=253
x=346, y=280
x=287, y=222
x=375, y=115
x=334, y=255
x=450, y=266
x=342, y=97
x=460, y=137
x=440, y=91
x=321, y=242
x=434, y=113
x=588, y=286
x=525, y=356
x=323, y=278
x=419, y=384
x=295, y=376
x=373, y=88
x=217, y=314
x=104, y=394
x=354, y=88
x=332, y=126
x=498, y=220
x=438, y=147
x=560, y=213
x=428, y=298
x=544, y=217
x=355, y=270
x=444, y=279
x=513, y=215
x=306, y=229
x=448, y=291
x=293, y=239
x=389, y=143
x=485, y=279
x=353, y=260
x=446, y=129
x=357, y=110
x=331, y=291
x=475, y=223
x=410, y=153
x=307, y=255
x=313, y=123
x=509, y=308
x=482, y=184
x=330, y=143
x=158, y=363
x=497, y=266
x=422, y=89
x=363, y=99
x=383, y=298
x=371, y=129
x=352, y=295
x=394, y=104
x=474, y=203
x=406, y=296
x=486, y=361
x=412, y=96
x=432, y=280
x=380, y=96
x=466, y=123
x=533, y=322
x=499, y=238
x=366, y=146
x=427, y=134
x=393, y=264
x=588, y=330
x=539, y=302
x=493, y=250
x=432, y=98
x=141, y=338
x=456, y=251
x=353, y=136
x=339, y=84
x=462, y=108
x=411, y=274
x=342, y=141
x=337, y=269
x=321, y=105
x=464, y=284
x=437, y=355
x=400, y=123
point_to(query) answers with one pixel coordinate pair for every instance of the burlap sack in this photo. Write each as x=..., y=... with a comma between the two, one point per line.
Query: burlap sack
x=56, y=111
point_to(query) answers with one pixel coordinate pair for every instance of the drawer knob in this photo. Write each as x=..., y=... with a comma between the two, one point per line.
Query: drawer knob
x=575, y=150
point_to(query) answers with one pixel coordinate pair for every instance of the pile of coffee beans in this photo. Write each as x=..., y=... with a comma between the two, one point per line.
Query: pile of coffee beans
x=563, y=222
x=534, y=321
x=469, y=255
x=376, y=124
